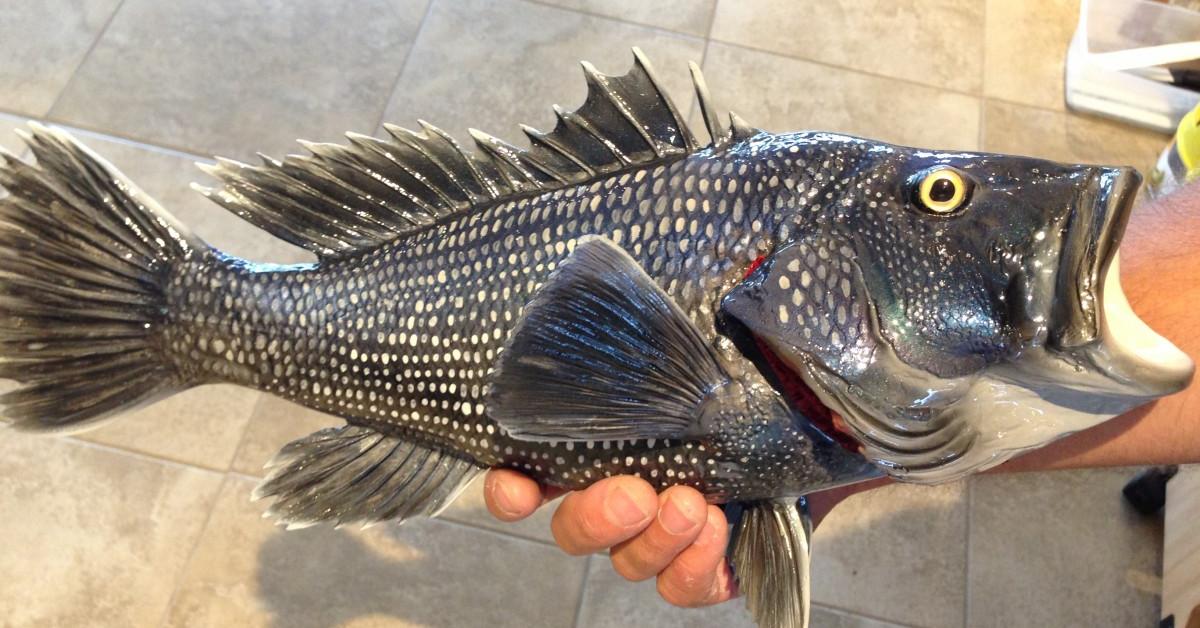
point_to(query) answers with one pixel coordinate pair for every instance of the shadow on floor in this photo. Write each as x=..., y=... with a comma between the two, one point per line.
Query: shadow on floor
x=322, y=578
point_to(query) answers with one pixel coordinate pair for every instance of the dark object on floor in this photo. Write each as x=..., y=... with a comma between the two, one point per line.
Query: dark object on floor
x=1147, y=492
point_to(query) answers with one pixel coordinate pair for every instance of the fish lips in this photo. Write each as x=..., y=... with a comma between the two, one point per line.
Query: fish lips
x=1093, y=234
x=1092, y=322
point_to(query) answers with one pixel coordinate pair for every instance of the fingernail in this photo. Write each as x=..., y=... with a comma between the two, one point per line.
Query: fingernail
x=504, y=501
x=622, y=508
x=674, y=519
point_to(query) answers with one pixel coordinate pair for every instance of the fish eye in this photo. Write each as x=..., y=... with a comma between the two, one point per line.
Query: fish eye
x=942, y=190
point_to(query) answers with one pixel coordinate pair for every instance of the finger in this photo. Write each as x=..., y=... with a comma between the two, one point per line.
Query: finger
x=604, y=514
x=511, y=496
x=699, y=575
x=682, y=513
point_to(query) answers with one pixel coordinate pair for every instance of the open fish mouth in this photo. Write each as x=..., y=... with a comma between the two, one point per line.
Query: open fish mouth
x=1092, y=237
x=1093, y=322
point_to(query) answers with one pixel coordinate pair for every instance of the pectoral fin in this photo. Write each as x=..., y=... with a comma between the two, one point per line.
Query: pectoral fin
x=603, y=353
x=770, y=555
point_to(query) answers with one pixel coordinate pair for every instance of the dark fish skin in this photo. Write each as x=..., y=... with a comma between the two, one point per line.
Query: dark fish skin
x=401, y=339
x=615, y=299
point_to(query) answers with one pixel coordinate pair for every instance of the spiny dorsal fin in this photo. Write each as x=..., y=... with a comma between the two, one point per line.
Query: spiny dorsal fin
x=721, y=136
x=342, y=199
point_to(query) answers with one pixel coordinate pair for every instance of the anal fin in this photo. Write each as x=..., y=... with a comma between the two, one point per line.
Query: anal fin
x=354, y=474
x=770, y=555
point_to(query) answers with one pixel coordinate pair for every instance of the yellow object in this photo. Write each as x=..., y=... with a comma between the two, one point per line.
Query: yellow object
x=1187, y=142
x=942, y=190
x=1180, y=163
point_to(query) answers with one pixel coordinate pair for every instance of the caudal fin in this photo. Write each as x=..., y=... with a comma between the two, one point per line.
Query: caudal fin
x=84, y=256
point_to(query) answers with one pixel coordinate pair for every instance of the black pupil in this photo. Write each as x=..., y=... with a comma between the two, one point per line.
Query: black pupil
x=942, y=190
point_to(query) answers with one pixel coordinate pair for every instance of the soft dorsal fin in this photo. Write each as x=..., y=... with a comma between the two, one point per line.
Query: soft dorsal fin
x=342, y=199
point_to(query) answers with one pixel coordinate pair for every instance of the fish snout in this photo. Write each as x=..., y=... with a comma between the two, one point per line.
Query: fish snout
x=1096, y=320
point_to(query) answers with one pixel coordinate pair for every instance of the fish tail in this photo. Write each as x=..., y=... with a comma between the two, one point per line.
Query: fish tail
x=85, y=256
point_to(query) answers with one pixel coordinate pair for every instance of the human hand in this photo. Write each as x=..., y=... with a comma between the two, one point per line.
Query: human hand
x=674, y=536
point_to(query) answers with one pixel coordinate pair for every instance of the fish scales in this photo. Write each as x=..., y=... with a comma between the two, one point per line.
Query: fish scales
x=759, y=318
x=402, y=338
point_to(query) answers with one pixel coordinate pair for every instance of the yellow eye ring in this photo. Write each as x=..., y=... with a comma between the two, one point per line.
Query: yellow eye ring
x=942, y=190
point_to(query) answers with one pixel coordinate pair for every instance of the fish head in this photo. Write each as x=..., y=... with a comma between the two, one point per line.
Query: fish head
x=954, y=309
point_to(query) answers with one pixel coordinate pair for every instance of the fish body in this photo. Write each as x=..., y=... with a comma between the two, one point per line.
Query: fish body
x=402, y=338
x=616, y=299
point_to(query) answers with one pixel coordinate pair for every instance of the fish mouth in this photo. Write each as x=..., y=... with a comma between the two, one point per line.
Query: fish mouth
x=1093, y=236
x=1093, y=321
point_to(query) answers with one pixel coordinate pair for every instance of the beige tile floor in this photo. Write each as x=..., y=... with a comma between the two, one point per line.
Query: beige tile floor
x=147, y=522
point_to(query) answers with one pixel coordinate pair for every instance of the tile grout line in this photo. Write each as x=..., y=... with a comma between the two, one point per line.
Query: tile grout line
x=189, y=152
x=237, y=451
x=612, y=18
x=113, y=135
x=712, y=22
x=854, y=613
x=475, y=528
x=75, y=72
x=108, y=135
x=139, y=455
x=710, y=39
x=834, y=66
x=187, y=563
x=412, y=48
x=587, y=576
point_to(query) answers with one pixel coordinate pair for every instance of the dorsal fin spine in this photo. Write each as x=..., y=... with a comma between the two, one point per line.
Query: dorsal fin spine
x=357, y=219
x=738, y=128
x=320, y=168
x=600, y=82
x=689, y=139
x=485, y=183
x=380, y=147
x=507, y=153
x=345, y=198
x=708, y=109
x=574, y=119
x=415, y=142
x=538, y=138
x=340, y=158
x=376, y=147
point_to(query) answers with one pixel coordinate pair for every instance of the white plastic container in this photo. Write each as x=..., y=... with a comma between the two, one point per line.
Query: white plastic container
x=1117, y=41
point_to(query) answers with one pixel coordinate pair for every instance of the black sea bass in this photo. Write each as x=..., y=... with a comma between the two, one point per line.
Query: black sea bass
x=616, y=299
